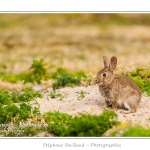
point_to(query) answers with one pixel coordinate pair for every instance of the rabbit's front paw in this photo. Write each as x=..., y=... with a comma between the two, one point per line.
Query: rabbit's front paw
x=124, y=112
x=104, y=107
x=114, y=109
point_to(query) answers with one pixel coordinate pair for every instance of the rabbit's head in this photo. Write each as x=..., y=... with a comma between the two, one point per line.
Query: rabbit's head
x=105, y=76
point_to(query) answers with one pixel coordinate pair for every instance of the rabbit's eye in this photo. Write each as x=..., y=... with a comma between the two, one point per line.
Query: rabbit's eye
x=104, y=74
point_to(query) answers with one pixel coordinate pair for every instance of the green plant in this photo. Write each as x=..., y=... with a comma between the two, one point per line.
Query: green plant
x=80, y=74
x=53, y=94
x=91, y=125
x=88, y=80
x=81, y=94
x=142, y=78
x=56, y=122
x=57, y=117
x=26, y=95
x=36, y=111
x=37, y=73
x=84, y=125
x=20, y=112
x=63, y=78
x=8, y=113
x=137, y=131
x=5, y=97
x=59, y=72
x=24, y=111
x=13, y=78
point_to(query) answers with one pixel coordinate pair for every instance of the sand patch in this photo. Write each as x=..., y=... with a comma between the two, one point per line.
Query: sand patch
x=91, y=103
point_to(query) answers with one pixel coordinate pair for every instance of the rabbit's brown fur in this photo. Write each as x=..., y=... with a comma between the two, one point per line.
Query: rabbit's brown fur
x=117, y=91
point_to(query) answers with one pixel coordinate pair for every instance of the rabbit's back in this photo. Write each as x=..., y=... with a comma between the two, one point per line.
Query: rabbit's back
x=126, y=91
x=124, y=82
x=120, y=84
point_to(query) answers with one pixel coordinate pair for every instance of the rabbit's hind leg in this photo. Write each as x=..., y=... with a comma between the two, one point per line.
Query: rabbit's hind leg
x=129, y=109
x=131, y=103
x=132, y=110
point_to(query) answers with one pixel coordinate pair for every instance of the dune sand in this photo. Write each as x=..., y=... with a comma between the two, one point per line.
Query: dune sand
x=92, y=103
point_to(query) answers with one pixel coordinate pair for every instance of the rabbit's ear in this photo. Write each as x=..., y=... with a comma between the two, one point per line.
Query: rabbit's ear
x=105, y=61
x=113, y=63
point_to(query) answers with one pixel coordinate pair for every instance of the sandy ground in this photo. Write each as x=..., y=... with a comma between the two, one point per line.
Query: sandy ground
x=91, y=103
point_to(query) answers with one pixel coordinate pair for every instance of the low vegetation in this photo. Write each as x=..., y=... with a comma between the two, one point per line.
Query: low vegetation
x=7, y=97
x=13, y=113
x=128, y=130
x=53, y=94
x=37, y=72
x=81, y=94
x=137, y=131
x=15, y=107
x=82, y=125
x=61, y=124
x=142, y=78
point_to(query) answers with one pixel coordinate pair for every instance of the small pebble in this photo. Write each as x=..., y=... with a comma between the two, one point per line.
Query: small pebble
x=49, y=89
x=37, y=88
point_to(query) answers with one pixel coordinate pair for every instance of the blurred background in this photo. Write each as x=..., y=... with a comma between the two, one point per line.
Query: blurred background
x=74, y=41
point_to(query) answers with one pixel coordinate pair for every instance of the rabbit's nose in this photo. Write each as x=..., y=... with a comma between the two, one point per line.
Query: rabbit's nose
x=96, y=80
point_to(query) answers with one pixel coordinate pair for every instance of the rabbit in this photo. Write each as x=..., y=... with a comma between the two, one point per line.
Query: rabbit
x=117, y=91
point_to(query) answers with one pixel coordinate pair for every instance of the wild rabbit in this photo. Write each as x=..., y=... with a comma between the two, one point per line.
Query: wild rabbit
x=117, y=91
